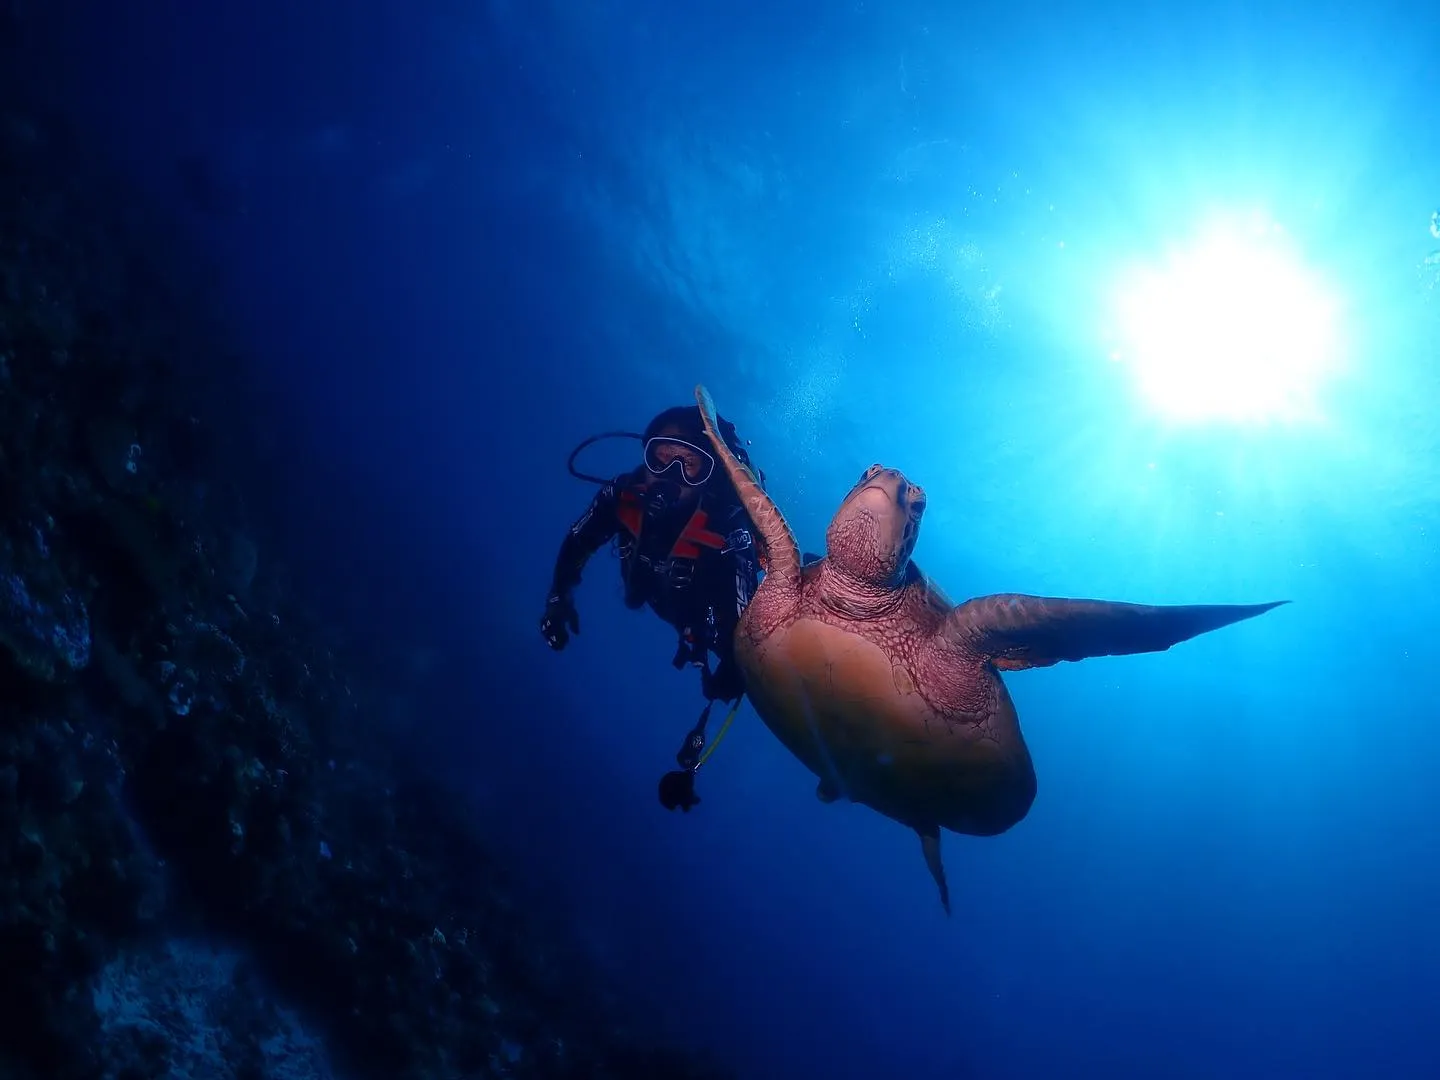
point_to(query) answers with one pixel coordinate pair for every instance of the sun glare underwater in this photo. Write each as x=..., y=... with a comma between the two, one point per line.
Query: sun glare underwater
x=1230, y=326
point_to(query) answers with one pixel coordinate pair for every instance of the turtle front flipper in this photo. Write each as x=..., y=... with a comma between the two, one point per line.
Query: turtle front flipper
x=783, y=553
x=1014, y=632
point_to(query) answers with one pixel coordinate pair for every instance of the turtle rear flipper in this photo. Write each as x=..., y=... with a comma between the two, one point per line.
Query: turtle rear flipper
x=827, y=791
x=781, y=550
x=930, y=846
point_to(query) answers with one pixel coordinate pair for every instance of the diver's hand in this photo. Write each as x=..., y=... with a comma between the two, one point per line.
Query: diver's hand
x=560, y=621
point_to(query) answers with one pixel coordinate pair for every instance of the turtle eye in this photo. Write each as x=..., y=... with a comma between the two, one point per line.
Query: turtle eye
x=870, y=473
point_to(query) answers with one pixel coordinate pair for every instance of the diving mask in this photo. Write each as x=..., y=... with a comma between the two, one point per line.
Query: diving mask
x=666, y=455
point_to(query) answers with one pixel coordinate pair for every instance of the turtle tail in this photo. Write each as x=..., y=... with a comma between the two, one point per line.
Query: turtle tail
x=782, y=553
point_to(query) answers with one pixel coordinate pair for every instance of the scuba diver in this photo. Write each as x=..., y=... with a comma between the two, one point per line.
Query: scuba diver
x=687, y=551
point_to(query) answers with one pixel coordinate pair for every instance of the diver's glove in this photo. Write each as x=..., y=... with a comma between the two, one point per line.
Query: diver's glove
x=560, y=621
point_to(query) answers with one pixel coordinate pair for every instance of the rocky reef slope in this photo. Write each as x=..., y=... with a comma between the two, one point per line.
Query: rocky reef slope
x=209, y=863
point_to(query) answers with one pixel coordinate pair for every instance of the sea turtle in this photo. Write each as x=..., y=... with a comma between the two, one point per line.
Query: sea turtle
x=887, y=691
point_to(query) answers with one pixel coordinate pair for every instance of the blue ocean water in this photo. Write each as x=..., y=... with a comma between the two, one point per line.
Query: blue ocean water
x=459, y=238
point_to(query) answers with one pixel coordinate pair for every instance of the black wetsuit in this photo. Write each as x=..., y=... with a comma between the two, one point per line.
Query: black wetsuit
x=694, y=565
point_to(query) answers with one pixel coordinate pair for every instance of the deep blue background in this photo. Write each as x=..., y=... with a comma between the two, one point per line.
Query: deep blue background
x=457, y=238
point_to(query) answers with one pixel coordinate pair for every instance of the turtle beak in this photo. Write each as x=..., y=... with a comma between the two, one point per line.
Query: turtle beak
x=891, y=484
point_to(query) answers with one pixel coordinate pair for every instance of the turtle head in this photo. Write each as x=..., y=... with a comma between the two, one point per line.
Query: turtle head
x=873, y=534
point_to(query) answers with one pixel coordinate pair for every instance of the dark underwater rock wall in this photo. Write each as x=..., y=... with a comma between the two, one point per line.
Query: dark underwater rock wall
x=211, y=864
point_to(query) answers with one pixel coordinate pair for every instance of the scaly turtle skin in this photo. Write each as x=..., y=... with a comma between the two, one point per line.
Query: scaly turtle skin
x=887, y=691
